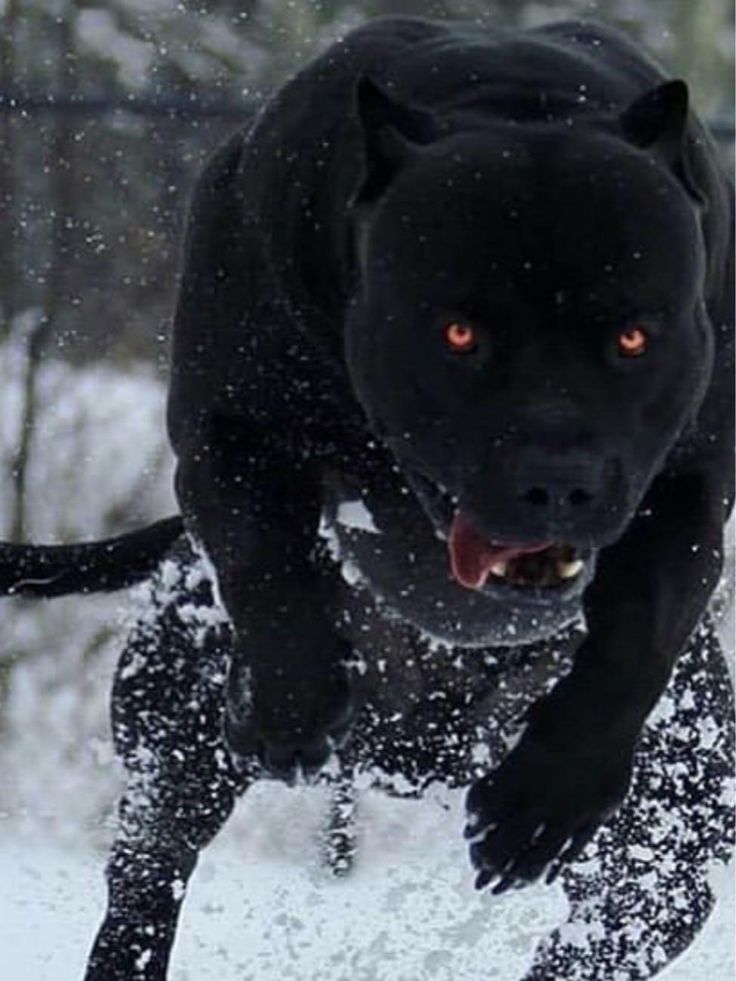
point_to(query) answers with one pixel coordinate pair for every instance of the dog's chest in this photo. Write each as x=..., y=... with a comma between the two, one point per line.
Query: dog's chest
x=381, y=537
x=433, y=712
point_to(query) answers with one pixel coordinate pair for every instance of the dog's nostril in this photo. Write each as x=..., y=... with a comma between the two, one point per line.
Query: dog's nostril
x=579, y=497
x=538, y=496
x=541, y=497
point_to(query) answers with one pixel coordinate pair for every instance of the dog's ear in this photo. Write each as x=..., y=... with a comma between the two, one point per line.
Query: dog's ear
x=392, y=132
x=658, y=118
x=657, y=121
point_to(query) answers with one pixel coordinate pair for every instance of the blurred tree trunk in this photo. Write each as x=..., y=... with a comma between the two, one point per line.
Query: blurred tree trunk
x=61, y=185
x=8, y=24
x=8, y=27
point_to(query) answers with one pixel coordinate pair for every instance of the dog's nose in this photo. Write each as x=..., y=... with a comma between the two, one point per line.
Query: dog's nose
x=562, y=487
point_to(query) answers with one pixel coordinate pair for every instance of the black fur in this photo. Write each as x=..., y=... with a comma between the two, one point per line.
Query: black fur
x=550, y=188
x=45, y=571
x=552, y=191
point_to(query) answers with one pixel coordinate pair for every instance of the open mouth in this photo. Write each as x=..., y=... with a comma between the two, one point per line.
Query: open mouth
x=476, y=561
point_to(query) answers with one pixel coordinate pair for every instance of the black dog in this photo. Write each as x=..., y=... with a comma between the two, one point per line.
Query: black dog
x=479, y=281
x=466, y=297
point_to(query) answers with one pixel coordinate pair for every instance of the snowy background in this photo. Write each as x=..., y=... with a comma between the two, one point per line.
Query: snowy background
x=91, y=207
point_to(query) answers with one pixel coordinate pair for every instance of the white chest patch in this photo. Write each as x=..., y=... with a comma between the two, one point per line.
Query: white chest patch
x=354, y=514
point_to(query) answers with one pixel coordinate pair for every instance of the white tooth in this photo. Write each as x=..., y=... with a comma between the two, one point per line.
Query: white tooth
x=568, y=570
x=499, y=569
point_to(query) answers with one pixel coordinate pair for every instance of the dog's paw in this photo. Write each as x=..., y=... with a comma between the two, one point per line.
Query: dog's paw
x=298, y=740
x=293, y=729
x=540, y=808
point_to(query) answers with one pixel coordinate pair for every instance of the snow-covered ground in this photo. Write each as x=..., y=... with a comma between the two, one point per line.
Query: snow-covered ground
x=262, y=905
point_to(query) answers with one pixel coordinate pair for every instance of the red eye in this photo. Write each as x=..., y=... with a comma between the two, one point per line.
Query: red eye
x=632, y=343
x=460, y=338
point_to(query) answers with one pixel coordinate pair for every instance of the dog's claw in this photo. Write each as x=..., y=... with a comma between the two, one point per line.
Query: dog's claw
x=506, y=883
x=484, y=878
x=553, y=873
x=477, y=830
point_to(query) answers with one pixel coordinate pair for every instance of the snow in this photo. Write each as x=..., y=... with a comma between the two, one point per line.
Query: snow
x=262, y=905
x=355, y=514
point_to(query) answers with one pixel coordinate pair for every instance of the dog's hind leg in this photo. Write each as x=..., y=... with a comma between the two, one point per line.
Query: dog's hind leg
x=639, y=893
x=167, y=719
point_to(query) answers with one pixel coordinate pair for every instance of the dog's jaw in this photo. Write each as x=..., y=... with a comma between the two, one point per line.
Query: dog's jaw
x=474, y=560
x=546, y=570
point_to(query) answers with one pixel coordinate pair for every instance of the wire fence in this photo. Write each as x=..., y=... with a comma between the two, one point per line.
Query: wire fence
x=24, y=103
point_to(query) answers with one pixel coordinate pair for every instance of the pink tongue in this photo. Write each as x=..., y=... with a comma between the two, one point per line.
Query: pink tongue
x=471, y=557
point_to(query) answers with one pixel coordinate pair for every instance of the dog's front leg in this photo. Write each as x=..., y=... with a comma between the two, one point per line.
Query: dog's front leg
x=255, y=506
x=573, y=763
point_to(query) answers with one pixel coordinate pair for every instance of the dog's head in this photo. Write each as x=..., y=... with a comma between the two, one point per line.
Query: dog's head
x=528, y=333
